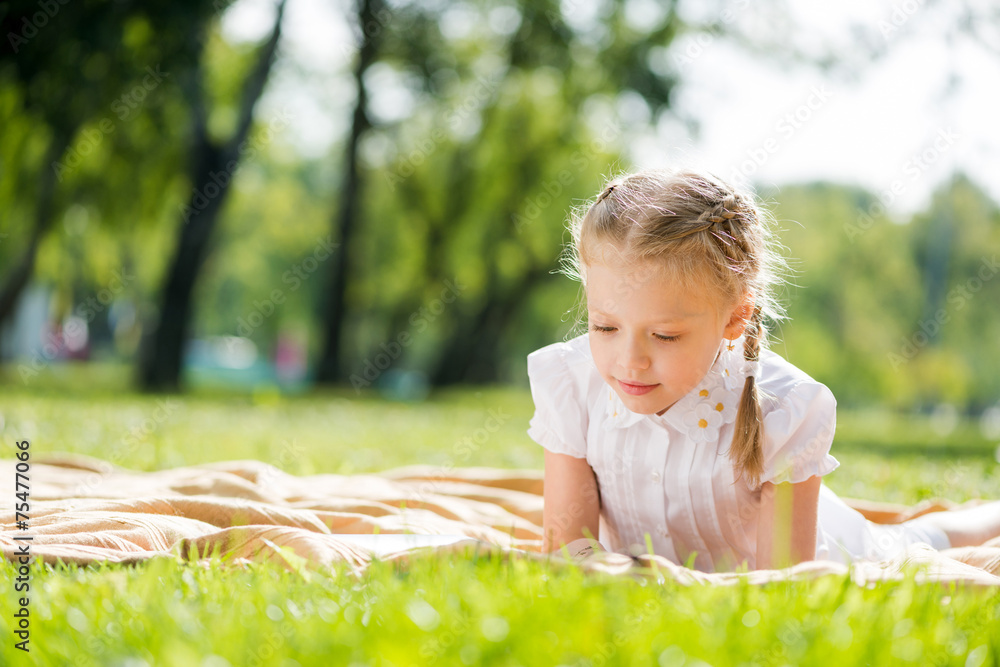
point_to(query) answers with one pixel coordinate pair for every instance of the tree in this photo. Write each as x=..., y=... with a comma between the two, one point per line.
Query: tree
x=370, y=17
x=212, y=169
x=541, y=42
x=65, y=64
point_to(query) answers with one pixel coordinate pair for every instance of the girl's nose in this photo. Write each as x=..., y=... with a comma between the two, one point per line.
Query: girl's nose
x=634, y=355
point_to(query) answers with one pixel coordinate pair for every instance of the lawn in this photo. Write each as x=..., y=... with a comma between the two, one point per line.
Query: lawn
x=473, y=610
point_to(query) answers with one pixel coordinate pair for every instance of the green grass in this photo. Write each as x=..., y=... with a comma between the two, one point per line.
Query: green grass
x=476, y=609
x=488, y=611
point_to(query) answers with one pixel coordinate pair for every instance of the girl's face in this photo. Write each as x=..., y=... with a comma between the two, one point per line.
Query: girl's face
x=653, y=340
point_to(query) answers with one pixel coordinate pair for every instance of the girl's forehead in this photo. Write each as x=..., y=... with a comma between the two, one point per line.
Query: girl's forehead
x=636, y=272
x=609, y=286
x=642, y=276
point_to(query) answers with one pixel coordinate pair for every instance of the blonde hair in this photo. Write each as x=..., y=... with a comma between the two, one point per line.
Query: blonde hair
x=701, y=230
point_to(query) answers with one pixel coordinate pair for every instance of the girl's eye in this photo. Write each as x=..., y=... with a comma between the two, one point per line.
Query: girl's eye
x=597, y=327
x=665, y=338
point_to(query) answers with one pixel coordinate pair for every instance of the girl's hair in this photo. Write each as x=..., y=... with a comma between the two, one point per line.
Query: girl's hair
x=700, y=231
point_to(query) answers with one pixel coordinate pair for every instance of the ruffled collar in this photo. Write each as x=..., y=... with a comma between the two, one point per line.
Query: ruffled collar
x=704, y=410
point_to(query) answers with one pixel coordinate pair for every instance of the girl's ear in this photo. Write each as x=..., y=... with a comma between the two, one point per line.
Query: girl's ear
x=740, y=317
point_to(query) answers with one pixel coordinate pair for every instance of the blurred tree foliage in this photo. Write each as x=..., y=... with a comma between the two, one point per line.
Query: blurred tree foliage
x=489, y=123
x=500, y=94
x=857, y=305
x=119, y=125
x=867, y=315
x=88, y=116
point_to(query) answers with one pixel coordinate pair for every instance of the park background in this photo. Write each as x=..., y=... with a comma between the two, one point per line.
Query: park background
x=325, y=236
x=371, y=200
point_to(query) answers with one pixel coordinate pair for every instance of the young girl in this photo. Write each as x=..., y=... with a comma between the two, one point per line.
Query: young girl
x=668, y=425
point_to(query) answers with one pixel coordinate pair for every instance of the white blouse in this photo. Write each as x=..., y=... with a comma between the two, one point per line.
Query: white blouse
x=670, y=476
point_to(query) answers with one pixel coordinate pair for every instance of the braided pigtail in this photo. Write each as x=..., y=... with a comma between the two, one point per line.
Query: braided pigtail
x=747, y=452
x=722, y=212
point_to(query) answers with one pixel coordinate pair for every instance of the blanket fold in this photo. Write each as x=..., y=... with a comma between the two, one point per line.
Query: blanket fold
x=84, y=510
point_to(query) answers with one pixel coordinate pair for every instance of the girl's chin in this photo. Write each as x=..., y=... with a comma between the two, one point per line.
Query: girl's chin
x=646, y=404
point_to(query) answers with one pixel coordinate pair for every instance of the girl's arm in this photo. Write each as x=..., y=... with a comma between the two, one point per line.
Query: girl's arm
x=572, y=506
x=786, y=527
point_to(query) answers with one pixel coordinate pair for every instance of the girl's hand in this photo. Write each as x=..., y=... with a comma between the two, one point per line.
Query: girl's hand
x=572, y=505
x=583, y=547
x=786, y=527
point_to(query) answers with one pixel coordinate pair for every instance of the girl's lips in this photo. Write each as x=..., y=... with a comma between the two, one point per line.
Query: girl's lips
x=636, y=389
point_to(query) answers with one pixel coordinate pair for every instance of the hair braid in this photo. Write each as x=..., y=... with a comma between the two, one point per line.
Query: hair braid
x=747, y=452
x=754, y=330
x=723, y=211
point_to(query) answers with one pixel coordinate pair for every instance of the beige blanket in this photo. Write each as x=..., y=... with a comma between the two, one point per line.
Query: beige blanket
x=85, y=510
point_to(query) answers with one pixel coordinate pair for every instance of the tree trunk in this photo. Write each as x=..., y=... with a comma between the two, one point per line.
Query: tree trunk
x=471, y=353
x=939, y=242
x=328, y=367
x=161, y=357
x=17, y=280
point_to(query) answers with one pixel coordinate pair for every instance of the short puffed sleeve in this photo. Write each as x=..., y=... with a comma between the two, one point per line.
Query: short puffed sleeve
x=798, y=434
x=560, y=420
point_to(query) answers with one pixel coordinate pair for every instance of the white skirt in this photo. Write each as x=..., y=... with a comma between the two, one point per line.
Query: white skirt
x=844, y=535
